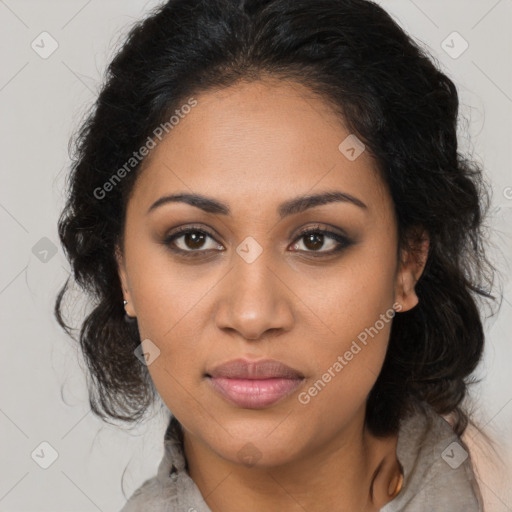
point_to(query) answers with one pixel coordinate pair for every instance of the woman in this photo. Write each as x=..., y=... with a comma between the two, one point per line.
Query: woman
x=272, y=190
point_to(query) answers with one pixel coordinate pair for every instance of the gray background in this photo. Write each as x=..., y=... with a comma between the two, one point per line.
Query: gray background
x=43, y=395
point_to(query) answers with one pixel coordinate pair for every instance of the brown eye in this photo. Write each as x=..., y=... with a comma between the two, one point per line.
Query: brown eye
x=194, y=239
x=313, y=240
x=190, y=241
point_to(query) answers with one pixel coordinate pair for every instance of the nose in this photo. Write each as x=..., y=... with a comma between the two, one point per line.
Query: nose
x=254, y=299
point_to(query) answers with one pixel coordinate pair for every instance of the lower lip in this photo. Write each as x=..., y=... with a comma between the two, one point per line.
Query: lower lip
x=254, y=393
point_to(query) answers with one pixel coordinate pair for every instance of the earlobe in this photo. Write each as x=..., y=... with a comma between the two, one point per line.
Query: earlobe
x=128, y=306
x=406, y=293
x=121, y=268
x=412, y=264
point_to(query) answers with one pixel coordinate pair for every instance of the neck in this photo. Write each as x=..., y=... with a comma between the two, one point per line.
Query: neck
x=353, y=471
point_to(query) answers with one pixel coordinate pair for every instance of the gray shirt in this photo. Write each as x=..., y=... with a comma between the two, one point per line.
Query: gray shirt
x=438, y=474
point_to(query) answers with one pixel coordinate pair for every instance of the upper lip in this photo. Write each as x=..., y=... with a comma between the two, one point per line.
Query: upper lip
x=247, y=369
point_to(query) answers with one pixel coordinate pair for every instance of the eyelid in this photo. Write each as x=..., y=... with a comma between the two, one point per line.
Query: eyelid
x=326, y=228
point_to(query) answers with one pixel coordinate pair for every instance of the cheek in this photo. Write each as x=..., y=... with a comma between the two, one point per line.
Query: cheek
x=347, y=367
x=353, y=295
x=167, y=295
x=178, y=369
x=172, y=316
x=169, y=304
x=358, y=312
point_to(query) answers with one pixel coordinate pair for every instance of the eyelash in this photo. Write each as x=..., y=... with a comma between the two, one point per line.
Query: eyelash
x=342, y=240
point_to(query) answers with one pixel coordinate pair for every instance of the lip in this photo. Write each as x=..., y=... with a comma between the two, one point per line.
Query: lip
x=254, y=384
x=249, y=369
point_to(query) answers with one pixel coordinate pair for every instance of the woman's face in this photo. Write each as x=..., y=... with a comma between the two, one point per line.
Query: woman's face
x=247, y=283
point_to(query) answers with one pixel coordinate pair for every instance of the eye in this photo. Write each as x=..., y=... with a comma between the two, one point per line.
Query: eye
x=191, y=240
x=313, y=239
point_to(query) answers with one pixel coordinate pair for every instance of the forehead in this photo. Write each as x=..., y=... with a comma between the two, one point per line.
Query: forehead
x=256, y=143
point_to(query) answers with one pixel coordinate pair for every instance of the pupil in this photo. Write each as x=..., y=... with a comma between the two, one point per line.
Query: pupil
x=194, y=240
x=316, y=239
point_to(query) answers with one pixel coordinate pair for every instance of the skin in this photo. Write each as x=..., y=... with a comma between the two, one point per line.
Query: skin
x=254, y=146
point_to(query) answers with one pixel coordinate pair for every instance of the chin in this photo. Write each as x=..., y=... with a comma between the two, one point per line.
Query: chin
x=256, y=444
x=260, y=456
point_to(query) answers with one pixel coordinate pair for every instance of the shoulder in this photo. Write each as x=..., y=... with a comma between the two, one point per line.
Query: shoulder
x=167, y=492
x=171, y=489
x=161, y=492
x=151, y=496
x=438, y=471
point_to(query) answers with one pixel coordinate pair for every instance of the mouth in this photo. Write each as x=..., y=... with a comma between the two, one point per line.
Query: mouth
x=254, y=385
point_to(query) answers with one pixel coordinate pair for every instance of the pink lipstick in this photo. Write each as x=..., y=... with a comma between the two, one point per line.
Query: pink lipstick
x=254, y=385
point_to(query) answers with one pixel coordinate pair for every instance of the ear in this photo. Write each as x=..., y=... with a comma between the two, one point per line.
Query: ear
x=413, y=259
x=123, y=278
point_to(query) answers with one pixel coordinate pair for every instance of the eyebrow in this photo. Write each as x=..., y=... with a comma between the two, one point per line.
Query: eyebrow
x=290, y=207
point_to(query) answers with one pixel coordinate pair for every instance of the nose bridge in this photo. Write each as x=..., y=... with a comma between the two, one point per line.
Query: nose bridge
x=254, y=278
x=253, y=300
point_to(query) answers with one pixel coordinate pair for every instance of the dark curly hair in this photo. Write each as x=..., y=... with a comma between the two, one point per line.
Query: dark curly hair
x=386, y=89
